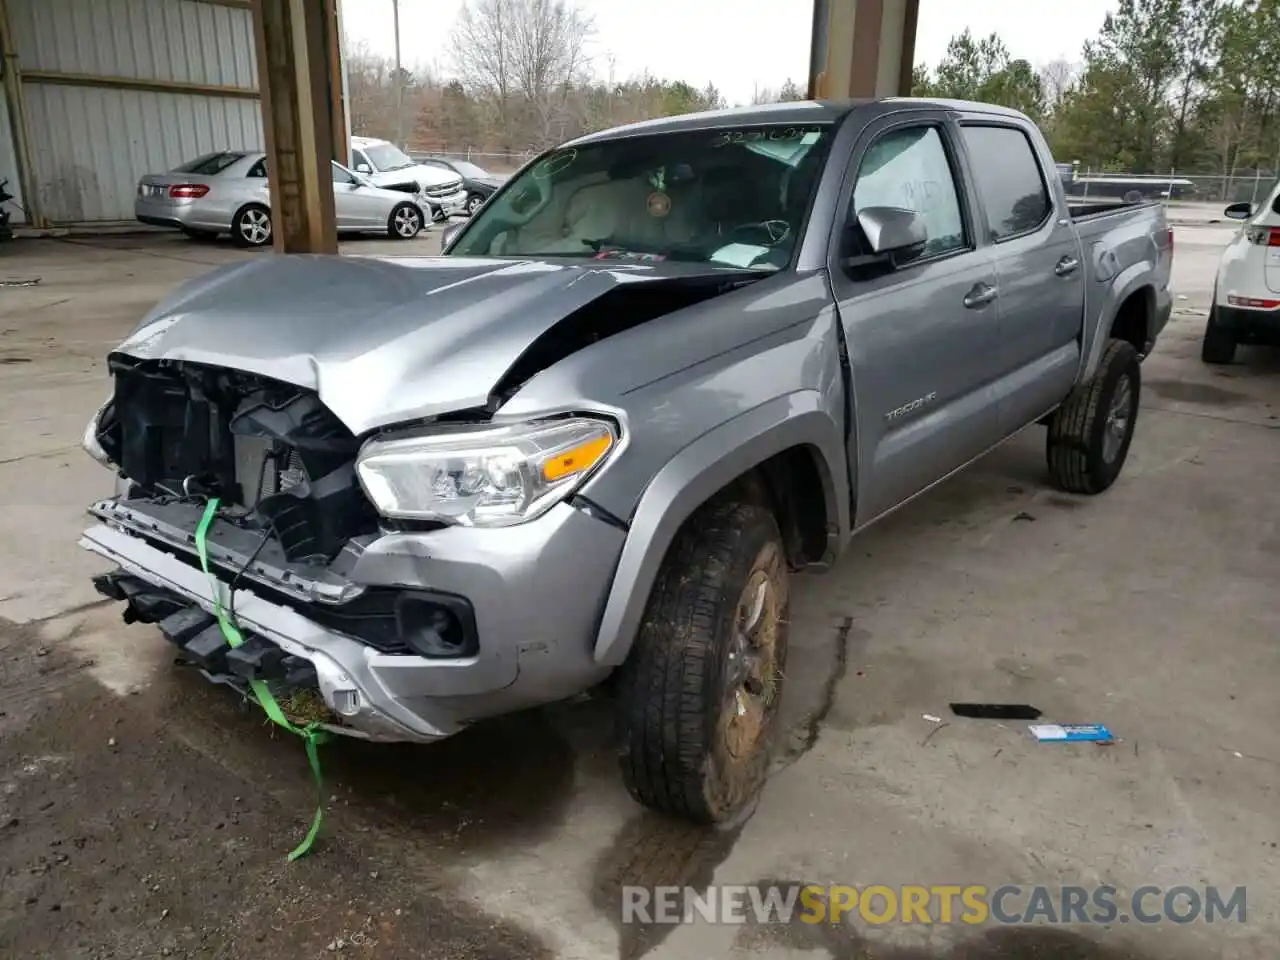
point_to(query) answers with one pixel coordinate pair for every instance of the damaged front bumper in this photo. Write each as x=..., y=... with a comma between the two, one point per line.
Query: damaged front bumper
x=533, y=592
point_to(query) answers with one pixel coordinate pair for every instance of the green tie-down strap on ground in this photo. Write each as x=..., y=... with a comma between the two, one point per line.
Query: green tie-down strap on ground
x=311, y=735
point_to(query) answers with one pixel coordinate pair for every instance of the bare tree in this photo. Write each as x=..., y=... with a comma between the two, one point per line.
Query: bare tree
x=523, y=58
x=1057, y=78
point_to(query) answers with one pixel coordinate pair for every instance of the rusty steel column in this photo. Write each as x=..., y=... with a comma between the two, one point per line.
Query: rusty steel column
x=862, y=48
x=296, y=81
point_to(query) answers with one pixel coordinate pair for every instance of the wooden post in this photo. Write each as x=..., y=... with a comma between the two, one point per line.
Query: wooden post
x=295, y=78
x=862, y=48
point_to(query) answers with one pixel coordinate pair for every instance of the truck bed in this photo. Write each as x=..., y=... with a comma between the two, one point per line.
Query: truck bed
x=1089, y=211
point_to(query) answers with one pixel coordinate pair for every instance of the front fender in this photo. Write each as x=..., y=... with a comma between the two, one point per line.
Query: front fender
x=694, y=476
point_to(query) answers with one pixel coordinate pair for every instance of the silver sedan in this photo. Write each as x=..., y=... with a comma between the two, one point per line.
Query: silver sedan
x=227, y=192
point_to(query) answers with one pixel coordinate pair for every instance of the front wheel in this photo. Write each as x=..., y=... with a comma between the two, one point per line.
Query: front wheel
x=473, y=204
x=1090, y=434
x=405, y=222
x=699, y=693
x=251, y=226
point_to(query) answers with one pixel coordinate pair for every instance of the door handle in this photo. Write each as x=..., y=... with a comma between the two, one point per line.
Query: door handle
x=980, y=295
x=1066, y=266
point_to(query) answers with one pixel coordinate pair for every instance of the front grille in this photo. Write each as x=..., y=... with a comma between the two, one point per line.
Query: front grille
x=445, y=189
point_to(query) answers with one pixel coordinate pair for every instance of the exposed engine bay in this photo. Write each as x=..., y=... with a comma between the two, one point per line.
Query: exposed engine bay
x=280, y=462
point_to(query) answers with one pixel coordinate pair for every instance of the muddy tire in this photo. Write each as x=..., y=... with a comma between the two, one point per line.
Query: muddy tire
x=1090, y=434
x=698, y=697
x=1218, y=345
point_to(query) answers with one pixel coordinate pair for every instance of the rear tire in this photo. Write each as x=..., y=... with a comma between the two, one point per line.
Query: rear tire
x=251, y=226
x=698, y=696
x=1219, y=346
x=405, y=222
x=1089, y=435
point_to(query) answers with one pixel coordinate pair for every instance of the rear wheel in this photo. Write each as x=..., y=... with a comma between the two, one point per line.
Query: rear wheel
x=405, y=222
x=251, y=226
x=699, y=694
x=1090, y=434
x=1218, y=346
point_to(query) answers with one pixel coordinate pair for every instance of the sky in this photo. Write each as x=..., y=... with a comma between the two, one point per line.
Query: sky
x=760, y=44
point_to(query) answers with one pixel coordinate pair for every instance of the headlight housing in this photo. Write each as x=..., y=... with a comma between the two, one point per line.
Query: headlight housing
x=487, y=476
x=90, y=440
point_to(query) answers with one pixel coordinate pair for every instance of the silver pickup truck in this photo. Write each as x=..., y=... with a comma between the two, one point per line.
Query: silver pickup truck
x=664, y=369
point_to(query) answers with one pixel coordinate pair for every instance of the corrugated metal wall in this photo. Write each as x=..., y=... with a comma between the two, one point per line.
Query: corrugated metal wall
x=91, y=135
x=9, y=165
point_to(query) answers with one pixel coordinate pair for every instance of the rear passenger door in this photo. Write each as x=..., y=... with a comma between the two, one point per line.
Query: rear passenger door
x=1040, y=269
x=919, y=336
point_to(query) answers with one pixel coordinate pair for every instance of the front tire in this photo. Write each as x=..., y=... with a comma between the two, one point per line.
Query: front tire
x=1219, y=346
x=251, y=226
x=473, y=204
x=1090, y=434
x=698, y=697
x=405, y=222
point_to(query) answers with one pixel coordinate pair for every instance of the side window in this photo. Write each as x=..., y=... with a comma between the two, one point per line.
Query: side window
x=909, y=169
x=340, y=175
x=1008, y=174
x=258, y=171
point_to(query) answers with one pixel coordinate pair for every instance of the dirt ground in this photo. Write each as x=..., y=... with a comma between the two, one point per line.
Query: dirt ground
x=144, y=813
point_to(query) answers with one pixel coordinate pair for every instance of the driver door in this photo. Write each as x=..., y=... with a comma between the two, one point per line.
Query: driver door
x=355, y=207
x=921, y=336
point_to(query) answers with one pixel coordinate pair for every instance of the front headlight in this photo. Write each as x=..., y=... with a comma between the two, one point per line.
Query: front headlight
x=486, y=477
x=90, y=440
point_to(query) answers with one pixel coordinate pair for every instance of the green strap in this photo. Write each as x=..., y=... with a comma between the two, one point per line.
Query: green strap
x=311, y=734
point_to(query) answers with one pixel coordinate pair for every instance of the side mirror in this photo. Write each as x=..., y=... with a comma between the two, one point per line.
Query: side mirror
x=1238, y=211
x=363, y=168
x=449, y=232
x=894, y=235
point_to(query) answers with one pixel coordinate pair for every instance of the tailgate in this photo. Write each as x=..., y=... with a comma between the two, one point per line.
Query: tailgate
x=1271, y=256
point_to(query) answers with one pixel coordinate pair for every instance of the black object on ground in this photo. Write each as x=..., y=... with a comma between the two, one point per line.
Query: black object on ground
x=996, y=711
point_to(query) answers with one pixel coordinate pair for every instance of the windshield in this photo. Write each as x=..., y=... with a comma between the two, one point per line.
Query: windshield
x=211, y=164
x=385, y=156
x=736, y=197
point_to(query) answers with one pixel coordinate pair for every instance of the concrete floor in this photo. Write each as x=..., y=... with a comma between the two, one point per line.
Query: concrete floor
x=1151, y=609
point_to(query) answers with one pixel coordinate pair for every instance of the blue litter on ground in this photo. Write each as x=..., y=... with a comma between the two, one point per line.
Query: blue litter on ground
x=1071, y=733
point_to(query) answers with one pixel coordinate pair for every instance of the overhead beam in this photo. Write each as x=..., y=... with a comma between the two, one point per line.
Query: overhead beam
x=297, y=87
x=862, y=48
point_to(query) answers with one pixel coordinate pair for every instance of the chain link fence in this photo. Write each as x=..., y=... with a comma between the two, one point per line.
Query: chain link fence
x=1084, y=182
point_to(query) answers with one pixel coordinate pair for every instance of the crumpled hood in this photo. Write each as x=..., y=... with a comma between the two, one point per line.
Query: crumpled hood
x=381, y=341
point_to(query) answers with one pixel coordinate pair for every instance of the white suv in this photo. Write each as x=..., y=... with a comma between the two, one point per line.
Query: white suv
x=1246, y=298
x=389, y=166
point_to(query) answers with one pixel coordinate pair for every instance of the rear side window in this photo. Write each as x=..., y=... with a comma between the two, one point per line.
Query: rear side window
x=258, y=170
x=1008, y=174
x=210, y=164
